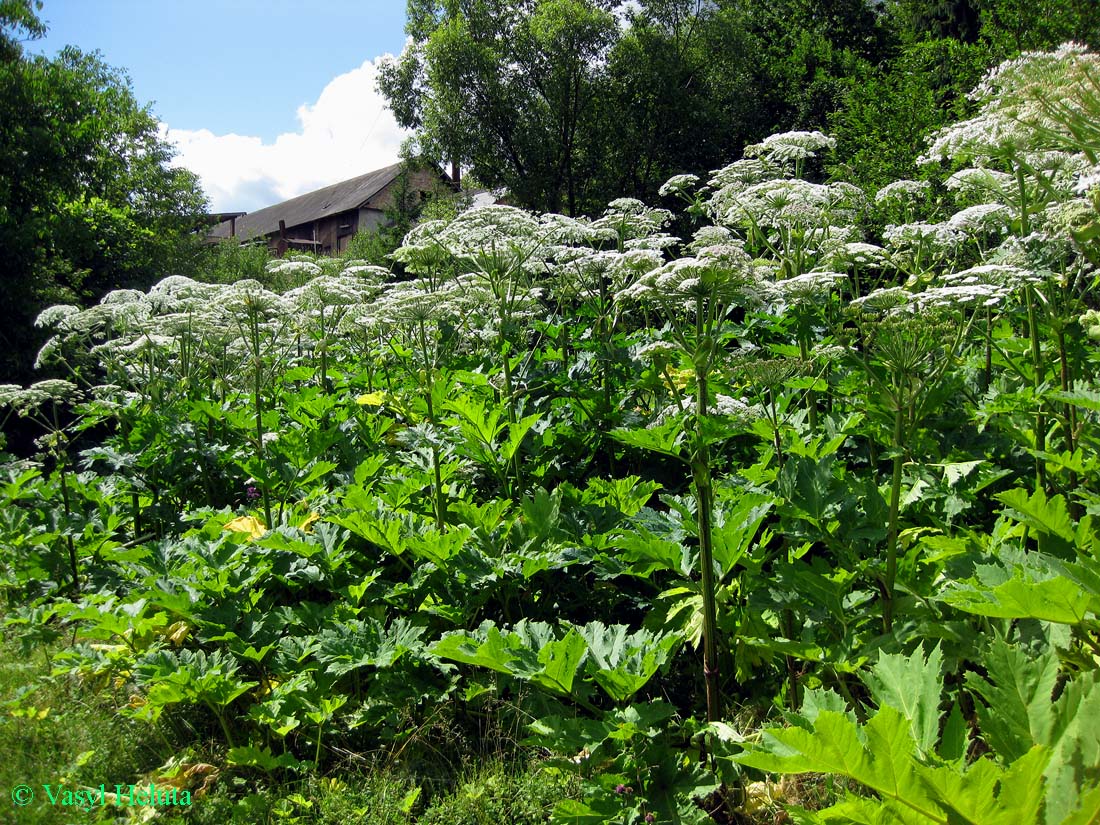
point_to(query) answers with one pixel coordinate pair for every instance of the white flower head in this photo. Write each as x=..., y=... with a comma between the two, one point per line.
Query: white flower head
x=1088, y=180
x=788, y=147
x=881, y=301
x=657, y=241
x=1007, y=276
x=810, y=287
x=630, y=219
x=903, y=192
x=327, y=291
x=1021, y=103
x=790, y=203
x=677, y=184
x=564, y=230
x=147, y=342
x=958, y=296
x=289, y=266
x=937, y=238
x=981, y=182
x=709, y=236
x=736, y=410
x=723, y=274
x=980, y=218
x=858, y=253
x=55, y=316
x=25, y=401
x=658, y=351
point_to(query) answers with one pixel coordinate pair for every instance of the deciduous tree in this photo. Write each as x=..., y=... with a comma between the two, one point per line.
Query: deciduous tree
x=88, y=198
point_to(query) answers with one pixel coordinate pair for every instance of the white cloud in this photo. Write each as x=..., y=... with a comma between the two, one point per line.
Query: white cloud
x=347, y=132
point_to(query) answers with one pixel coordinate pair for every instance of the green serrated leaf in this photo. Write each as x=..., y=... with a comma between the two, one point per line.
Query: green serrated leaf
x=912, y=685
x=953, y=473
x=735, y=528
x=1050, y=600
x=560, y=661
x=1017, y=695
x=1086, y=399
x=1048, y=517
x=1088, y=811
x=621, y=662
x=956, y=735
x=666, y=438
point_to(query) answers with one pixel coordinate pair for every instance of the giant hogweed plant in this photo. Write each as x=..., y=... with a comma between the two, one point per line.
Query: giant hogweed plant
x=1032, y=153
x=39, y=402
x=1042, y=767
x=364, y=604
x=695, y=295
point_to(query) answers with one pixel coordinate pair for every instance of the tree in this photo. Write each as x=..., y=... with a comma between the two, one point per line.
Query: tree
x=682, y=96
x=888, y=110
x=941, y=52
x=88, y=200
x=509, y=90
x=18, y=16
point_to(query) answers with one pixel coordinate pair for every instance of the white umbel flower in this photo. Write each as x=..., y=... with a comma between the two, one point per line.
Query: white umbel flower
x=677, y=184
x=903, y=192
x=983, y=217
x=788, y=147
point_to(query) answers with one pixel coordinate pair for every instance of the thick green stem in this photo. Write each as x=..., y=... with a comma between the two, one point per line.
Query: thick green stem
x=135, y=506
x=704, y=499
x=1070, y=412
x=1037, y=380
x=892, y=528
x=777, y=441
x=804, y=354
x=257, y=400
x=509, y=398
x=68, y=517
x=324, y=352
x=1066, y=382
x=219, y=714
x=437, y=475
x=793, y=692
x=987, y=374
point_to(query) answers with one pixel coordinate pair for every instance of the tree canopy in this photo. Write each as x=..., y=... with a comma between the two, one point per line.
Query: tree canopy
x=88, y=198
x=569, y=103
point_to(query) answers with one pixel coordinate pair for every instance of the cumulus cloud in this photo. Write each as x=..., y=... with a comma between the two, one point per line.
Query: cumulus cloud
x=348, y=131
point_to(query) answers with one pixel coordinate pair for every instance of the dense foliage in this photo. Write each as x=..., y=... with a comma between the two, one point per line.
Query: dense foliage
x=88, y=200
x=809, y=489
x=570, y=103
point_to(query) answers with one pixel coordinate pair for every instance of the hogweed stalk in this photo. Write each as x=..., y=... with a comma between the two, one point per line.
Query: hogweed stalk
x=696, y=295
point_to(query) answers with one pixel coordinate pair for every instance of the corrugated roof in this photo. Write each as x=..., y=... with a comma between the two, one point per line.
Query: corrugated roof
x=348, y=194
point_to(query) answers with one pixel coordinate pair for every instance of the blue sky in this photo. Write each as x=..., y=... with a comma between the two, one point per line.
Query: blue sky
x=265, y=99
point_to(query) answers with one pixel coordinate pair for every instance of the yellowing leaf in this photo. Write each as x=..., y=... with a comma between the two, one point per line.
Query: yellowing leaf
x=177, y=632
x=309, y=521
x=246, y=524
x=760, y=795
x=371, y=399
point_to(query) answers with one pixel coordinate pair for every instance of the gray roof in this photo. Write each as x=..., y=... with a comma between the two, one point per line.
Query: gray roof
x=340, y=197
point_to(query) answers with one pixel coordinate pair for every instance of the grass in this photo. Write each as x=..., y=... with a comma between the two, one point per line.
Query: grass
x=54, y=731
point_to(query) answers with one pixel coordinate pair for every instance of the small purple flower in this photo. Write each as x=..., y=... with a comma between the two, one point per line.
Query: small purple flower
x=620, y=789
x=650, y=818
x=251, y=493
